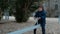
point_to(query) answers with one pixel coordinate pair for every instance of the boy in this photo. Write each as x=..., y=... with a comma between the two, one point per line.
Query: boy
x=41, y=15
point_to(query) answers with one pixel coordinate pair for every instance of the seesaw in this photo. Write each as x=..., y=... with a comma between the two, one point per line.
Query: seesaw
x=26, y=29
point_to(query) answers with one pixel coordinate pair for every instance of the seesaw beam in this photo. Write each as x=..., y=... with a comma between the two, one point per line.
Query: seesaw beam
x=25, y=29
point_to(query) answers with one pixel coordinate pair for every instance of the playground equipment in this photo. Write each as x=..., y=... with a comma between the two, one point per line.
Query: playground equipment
x=26, y=29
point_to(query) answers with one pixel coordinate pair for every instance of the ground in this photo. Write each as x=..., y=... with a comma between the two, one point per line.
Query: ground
x=52, y=26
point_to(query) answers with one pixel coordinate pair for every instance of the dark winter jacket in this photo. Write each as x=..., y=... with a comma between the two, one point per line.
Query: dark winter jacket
x=41, y=14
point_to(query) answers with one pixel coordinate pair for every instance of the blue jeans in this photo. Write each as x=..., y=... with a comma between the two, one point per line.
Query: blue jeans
x=42, y=27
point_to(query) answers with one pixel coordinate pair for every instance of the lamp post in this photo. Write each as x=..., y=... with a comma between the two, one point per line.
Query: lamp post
x=49, y=6
x=38, y=2
x=6, y=12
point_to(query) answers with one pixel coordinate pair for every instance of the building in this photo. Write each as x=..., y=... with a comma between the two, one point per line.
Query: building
x=53, y=7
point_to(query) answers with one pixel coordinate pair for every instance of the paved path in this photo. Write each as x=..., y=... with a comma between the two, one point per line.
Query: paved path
x=52, y=26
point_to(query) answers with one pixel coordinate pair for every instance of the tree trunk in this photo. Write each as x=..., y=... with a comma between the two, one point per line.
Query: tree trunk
x=21, y=12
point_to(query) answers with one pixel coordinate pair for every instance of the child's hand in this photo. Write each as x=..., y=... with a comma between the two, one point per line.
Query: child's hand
x=39, y=18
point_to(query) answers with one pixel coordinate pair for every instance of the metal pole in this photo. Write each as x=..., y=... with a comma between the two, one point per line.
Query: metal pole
x=38, y=2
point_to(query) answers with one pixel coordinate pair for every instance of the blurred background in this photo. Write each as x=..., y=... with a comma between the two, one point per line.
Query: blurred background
x=15, y=14
x=21, y=9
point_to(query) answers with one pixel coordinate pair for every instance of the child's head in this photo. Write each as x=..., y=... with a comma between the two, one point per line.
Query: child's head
x=40, y=8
